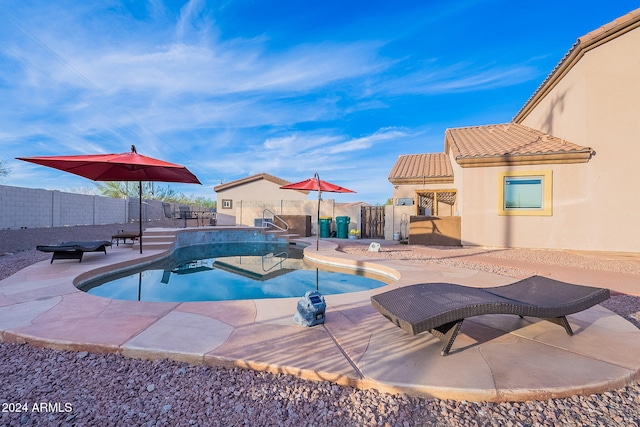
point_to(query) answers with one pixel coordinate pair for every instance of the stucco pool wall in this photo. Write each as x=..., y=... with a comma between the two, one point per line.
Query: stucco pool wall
x=240, y=235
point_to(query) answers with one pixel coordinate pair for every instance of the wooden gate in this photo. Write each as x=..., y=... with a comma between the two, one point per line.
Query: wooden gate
x=372, y=222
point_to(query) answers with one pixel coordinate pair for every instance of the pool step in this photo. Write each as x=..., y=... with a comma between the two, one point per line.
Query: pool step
x=281, y=234
x=156, y=239
x=289, y=236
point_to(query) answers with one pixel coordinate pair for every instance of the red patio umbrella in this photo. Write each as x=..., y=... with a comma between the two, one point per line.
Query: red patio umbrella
x=316, y=184
x=118, y=167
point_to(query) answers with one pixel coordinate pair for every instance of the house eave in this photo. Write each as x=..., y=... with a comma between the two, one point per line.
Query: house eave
x=575, y=54
x=522, y=160
x=418, y=180
x=253, y=178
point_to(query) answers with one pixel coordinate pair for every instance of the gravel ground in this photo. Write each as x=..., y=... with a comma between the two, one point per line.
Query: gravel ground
x=49, y=387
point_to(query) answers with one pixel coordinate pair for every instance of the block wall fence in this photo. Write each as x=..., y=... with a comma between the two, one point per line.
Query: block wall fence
x=37, y=208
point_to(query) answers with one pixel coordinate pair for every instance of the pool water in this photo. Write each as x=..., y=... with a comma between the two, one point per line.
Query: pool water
x=219, y=272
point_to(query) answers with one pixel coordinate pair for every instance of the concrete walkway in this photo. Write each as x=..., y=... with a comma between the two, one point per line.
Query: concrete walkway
x=495, y=357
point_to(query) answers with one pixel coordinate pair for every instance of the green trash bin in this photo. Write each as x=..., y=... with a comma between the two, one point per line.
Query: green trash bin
x=325, y=226
x=342, y=227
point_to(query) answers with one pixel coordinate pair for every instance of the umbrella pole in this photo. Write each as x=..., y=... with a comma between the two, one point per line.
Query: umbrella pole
x=318, y=233
x=140, y=213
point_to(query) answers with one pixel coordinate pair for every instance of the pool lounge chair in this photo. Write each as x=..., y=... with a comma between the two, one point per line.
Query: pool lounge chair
x=74, y=250
x=440, y=308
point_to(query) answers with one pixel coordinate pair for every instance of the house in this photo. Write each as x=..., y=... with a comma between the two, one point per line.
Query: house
x=560, y=175
x=248, y=200
x=255, y=188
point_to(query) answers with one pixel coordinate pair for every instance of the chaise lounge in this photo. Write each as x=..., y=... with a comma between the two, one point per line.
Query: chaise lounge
x=440, y=308
x=74, y=250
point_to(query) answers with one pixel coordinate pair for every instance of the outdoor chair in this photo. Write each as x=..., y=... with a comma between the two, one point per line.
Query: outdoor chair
x=74, y=250
x=170, y=214
x=440, y=308
x=185, y=214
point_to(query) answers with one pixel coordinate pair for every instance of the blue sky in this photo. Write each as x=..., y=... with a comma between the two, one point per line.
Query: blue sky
x=234, y=88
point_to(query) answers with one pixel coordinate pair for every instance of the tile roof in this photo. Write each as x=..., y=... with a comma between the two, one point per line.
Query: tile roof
x=589, y=41
x=506, y=141
x=421, y=167
x=613, y=26
x=249, y=179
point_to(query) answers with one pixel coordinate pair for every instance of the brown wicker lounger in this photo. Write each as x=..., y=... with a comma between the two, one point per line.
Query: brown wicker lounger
x=440, y=308
x=74, y=250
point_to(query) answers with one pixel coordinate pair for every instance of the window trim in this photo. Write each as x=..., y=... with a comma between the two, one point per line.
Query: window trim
x=227, y=204
x=547, y=194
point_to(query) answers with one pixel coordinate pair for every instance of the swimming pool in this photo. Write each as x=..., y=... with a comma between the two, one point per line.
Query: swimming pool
x=228, y=271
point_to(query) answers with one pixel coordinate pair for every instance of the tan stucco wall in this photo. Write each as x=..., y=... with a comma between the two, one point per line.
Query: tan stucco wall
x=574, y=216
x=435, y=230
x=262, y=189
x=597, y=104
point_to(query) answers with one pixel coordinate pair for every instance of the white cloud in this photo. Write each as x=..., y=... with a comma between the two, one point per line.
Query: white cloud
x=359, y=144
x=300, y=154
x=298, y=142
x=461, y=77
x=229, y=68
x=191, y=17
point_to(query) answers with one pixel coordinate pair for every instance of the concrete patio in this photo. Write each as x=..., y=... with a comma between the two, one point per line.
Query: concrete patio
x=495, y=357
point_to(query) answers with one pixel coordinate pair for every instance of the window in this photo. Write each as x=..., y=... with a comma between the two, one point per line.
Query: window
x=524, y=193
x=226, y=203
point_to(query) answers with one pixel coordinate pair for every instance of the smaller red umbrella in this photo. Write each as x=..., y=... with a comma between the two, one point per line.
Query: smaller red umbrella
x=316, y=184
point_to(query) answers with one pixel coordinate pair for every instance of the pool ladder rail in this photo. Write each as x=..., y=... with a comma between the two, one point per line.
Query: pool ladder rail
x=278, y=263
x=270, y=227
